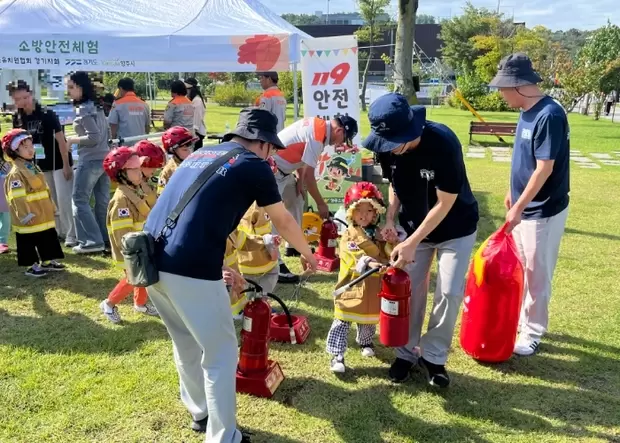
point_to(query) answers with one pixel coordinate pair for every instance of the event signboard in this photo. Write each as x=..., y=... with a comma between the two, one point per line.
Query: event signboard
x=330, y=85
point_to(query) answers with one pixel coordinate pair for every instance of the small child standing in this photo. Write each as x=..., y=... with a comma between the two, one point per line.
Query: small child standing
x=258, y=247
x=361, y=249
x=127, y=212
x=179, y=142
x=231, y=276
x=5, y=215
x=32, y=208
x=152, y=158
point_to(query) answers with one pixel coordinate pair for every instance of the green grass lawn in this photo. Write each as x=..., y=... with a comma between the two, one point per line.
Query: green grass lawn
x=68, y=375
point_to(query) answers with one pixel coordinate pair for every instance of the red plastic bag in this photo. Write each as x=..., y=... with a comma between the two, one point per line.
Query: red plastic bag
x=493, y=295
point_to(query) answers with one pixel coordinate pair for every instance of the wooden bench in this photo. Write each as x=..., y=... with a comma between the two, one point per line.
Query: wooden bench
x=491, y=128
x=156, y=116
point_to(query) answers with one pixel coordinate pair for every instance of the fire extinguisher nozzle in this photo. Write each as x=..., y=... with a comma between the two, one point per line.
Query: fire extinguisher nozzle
x=293, y=337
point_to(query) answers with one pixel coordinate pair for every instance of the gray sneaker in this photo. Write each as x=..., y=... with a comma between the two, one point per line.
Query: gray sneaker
x=147, y=309
x=111, y=312
x=88, y=249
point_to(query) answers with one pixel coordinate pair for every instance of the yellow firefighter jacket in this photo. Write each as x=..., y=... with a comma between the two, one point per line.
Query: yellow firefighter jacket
x=166, y=173
x=237, y=300
x=29, y=197
x=150, y=192
x=127, y=212
x=254, y=256
x=360, y=304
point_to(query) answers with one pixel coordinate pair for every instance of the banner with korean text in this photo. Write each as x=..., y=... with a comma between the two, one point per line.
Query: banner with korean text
x=330, y=85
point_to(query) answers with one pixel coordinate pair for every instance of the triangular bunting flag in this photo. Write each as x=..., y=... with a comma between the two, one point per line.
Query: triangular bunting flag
x=336, y=51
x=354, y=50
x=346, y=51
x=327, y=52
x=303, y=52
x=311, y=53
x=318, y=53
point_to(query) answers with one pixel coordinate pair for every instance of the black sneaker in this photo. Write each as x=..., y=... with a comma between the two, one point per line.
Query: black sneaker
x=35, y=271
x=245, y=437
x=200, y=425
x=53, y=266
x=436, y=375
x=400, y=370
x=286, y=276
x=291, y=252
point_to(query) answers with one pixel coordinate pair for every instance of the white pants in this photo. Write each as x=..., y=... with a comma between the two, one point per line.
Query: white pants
x=293, y=202
x=538, y=242
x=197, y=316
x=62, y=192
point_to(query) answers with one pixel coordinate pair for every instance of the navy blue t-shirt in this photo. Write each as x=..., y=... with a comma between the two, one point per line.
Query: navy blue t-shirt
x=542, y=134
x=436, y=163
x=195, y=246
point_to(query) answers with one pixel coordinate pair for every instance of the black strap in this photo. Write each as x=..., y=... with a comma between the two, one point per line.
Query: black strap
x=193, y=189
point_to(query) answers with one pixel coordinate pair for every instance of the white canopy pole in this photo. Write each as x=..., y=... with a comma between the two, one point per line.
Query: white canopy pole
x=295, y=93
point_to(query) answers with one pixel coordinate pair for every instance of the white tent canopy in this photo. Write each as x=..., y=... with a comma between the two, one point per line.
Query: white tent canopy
x=146, y=36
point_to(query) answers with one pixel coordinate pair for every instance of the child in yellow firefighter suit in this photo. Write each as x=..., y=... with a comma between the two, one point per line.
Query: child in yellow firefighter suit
x=32, y=209
x=234, y=282
x=179, y=143
x=152, y=158
x=361, y=248
x=127, y=212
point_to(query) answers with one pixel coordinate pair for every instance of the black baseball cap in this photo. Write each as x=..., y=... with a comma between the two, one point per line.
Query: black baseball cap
x=272, y=75
x=350, y=128
x=257, y=124
x=515, y=70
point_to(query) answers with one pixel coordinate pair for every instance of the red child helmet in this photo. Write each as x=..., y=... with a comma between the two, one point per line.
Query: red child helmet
x=151, y=155
x=176, y=137
x=363, y=192
x=12, y=139
x=119, y=159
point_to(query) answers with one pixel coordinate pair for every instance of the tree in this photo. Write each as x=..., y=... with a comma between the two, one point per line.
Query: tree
x=303, y=19
x=425, y=19
x=458, y=50
x=403, y=51
x=371, y=11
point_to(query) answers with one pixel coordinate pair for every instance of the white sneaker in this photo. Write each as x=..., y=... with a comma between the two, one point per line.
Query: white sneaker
x=337, y=364
x=111, y=312
x=147, y=309
x=368, y=351
x=525, y=346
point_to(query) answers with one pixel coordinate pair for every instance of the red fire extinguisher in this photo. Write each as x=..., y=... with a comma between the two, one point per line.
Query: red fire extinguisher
x=394, y=317
x=395, y=298
x=256, y=374
x=326, y=257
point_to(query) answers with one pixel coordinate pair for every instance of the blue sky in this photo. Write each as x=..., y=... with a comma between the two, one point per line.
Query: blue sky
x=554, y=14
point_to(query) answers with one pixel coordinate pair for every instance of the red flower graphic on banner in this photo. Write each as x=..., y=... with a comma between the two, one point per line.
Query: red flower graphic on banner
x=264, y=51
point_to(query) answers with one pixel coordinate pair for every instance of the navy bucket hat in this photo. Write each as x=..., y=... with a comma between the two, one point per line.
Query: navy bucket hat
x=393, y=123
x=515, y=70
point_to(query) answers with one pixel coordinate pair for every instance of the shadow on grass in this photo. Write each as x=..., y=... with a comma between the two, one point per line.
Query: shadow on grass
x=578, y=367
x=268, y=437
x=356, y=422
x=74, y=332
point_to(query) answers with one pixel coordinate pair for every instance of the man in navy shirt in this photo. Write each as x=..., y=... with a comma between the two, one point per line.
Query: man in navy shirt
x=430, y=193
x=191, y=295
x=537, y=201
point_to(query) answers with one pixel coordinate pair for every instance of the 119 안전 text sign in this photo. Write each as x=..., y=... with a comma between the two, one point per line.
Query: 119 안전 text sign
x=330, y=83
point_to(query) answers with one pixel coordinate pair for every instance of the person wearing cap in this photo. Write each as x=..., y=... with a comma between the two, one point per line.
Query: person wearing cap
x=272, y=98
x=180, y=110
x=538, y=196
x=194, y=94
x=191, y=295
x=130, y=116
x=31, y=206
x=305, y=140
x=430, y=194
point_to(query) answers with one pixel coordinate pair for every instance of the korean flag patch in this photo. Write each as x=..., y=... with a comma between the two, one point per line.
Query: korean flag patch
x=123, y=212
x=16, y=184
x=352, y=246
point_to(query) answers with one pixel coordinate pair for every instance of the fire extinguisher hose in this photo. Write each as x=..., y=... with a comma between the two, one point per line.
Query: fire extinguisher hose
x=355, y=281
x=288, y=317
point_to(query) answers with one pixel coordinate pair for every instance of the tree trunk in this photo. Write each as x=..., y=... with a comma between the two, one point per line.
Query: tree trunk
x=365, y=75
x=403, y=56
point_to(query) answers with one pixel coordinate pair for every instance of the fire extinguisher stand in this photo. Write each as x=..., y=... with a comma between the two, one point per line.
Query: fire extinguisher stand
x=256, y=373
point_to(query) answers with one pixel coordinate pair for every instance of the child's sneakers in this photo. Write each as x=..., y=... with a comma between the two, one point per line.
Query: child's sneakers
x=111, y=312
x=337, y=364
x=147, y=309
x=368, y=351
x=36, y=271
x=53, y=266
